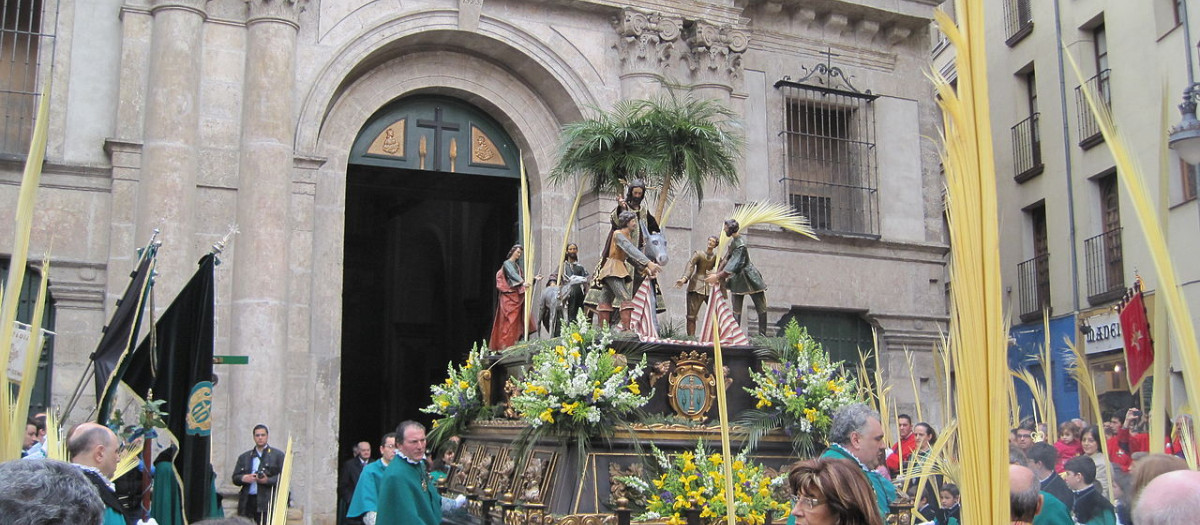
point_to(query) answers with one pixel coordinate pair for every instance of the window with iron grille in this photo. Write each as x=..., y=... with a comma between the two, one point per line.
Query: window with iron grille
x=1018, y=20
x=23, y=48
x=829, y=139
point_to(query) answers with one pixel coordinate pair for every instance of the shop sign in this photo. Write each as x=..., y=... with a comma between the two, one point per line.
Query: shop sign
x=1106, y=334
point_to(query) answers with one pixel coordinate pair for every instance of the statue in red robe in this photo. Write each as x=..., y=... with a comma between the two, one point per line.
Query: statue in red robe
x=510, y=307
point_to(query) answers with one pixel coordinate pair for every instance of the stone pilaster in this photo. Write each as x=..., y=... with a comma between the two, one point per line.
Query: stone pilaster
x=167, y=185
x=715, y=58
x=648, y=47
x=260, y=256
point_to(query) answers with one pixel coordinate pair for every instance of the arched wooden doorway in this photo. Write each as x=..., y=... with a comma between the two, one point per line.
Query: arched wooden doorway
x=431, y=209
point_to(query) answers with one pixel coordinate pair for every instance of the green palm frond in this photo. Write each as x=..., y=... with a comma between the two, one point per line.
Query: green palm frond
x=758, y=423
x=678, y=143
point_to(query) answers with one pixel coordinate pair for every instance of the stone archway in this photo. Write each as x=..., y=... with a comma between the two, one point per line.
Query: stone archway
x=519, y=107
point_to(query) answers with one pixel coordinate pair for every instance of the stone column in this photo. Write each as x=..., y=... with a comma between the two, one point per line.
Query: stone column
x=715, y=58
x=260, y=257
x=648, y=48
x=167, y=186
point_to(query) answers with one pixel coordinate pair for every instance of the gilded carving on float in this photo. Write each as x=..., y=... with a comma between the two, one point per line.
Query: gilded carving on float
x=692, y=385
x=453, y=153
x=483, y=150
x=390, y=141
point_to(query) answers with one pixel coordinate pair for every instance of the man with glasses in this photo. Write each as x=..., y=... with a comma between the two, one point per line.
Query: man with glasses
x=365, y=502
x=407, y=494
x=1024, y=436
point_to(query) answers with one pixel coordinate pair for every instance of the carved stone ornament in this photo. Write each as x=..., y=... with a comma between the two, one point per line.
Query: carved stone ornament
x=647, y=40
x=715, y=52
x=282, y=10
x=692, y=386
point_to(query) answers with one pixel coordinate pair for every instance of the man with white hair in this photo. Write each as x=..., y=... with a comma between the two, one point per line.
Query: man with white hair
x=96, y=450
x=856, y=434
x=46, y=492
x=1170, y=499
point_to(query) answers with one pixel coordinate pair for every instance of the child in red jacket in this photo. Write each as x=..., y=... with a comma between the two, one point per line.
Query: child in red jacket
x=1068, y=445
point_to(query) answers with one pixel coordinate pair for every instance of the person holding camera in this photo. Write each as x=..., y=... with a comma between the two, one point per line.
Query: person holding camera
x=257, y=472
x=1129, y=439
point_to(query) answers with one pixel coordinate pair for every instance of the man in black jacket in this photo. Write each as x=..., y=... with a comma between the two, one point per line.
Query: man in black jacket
x=257, y=472
x=1042, y=459
x=351, y=470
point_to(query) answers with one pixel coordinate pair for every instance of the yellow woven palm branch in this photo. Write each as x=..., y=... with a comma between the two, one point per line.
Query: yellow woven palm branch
x=978, y=340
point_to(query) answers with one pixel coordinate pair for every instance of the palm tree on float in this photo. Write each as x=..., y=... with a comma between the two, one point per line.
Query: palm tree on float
x=672, y=141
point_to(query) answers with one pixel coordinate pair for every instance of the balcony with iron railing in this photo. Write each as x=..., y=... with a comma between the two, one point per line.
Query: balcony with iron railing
x=1105, y=267
x=1033, y=287
x=834, y=208
x=1018, y=21
x=1027, y=149
x=1089, y=128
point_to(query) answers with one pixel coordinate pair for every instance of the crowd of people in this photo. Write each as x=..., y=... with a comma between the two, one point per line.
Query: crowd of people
x=1072, y=481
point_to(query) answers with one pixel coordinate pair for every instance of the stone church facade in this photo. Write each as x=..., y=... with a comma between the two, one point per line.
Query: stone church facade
x=190, y=116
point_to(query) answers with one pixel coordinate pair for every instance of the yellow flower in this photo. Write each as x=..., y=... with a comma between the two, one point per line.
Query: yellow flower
x=810, y=414
x=569, y=408
x=464, y=385
x=633, y=387
x=612, y=351
x=716, y=460
x=576, y=337
x=762, y=402
x=618, y=369
x=738, y=467
x=436, y=422
x=575, y=354
x=834, y=387
x=547, y=415
x=596, y=393
x=443, y=403
x=560, y=350
x=658, y=483
x=675, y=519
x=449, y=381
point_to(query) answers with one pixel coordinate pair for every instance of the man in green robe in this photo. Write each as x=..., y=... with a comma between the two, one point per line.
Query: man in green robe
x=741, y=277
x=857, y=435
x=407, y=495
x=365, y=502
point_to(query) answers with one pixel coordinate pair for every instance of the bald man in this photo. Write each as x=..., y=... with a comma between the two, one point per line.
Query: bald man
x=96, y=450
x=1024, y=497
x=1170, y=499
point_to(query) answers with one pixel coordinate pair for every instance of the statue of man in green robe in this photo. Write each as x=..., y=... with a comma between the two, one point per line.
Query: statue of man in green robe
x=741, y=277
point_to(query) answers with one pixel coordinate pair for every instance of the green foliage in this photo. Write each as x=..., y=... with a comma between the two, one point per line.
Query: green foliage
x=149, y=418
x=798, y=390
x=670, y=140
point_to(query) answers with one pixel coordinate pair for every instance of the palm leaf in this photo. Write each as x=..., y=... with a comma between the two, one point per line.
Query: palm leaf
x=767, y=213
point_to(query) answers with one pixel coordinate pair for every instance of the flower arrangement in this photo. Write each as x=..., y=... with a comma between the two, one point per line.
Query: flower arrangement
x=696, y=480
x=457, y=400
x=798, y=392
x=579, y=383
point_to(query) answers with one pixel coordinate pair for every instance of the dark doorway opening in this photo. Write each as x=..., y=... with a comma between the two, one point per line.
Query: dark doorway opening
x=421, y=253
